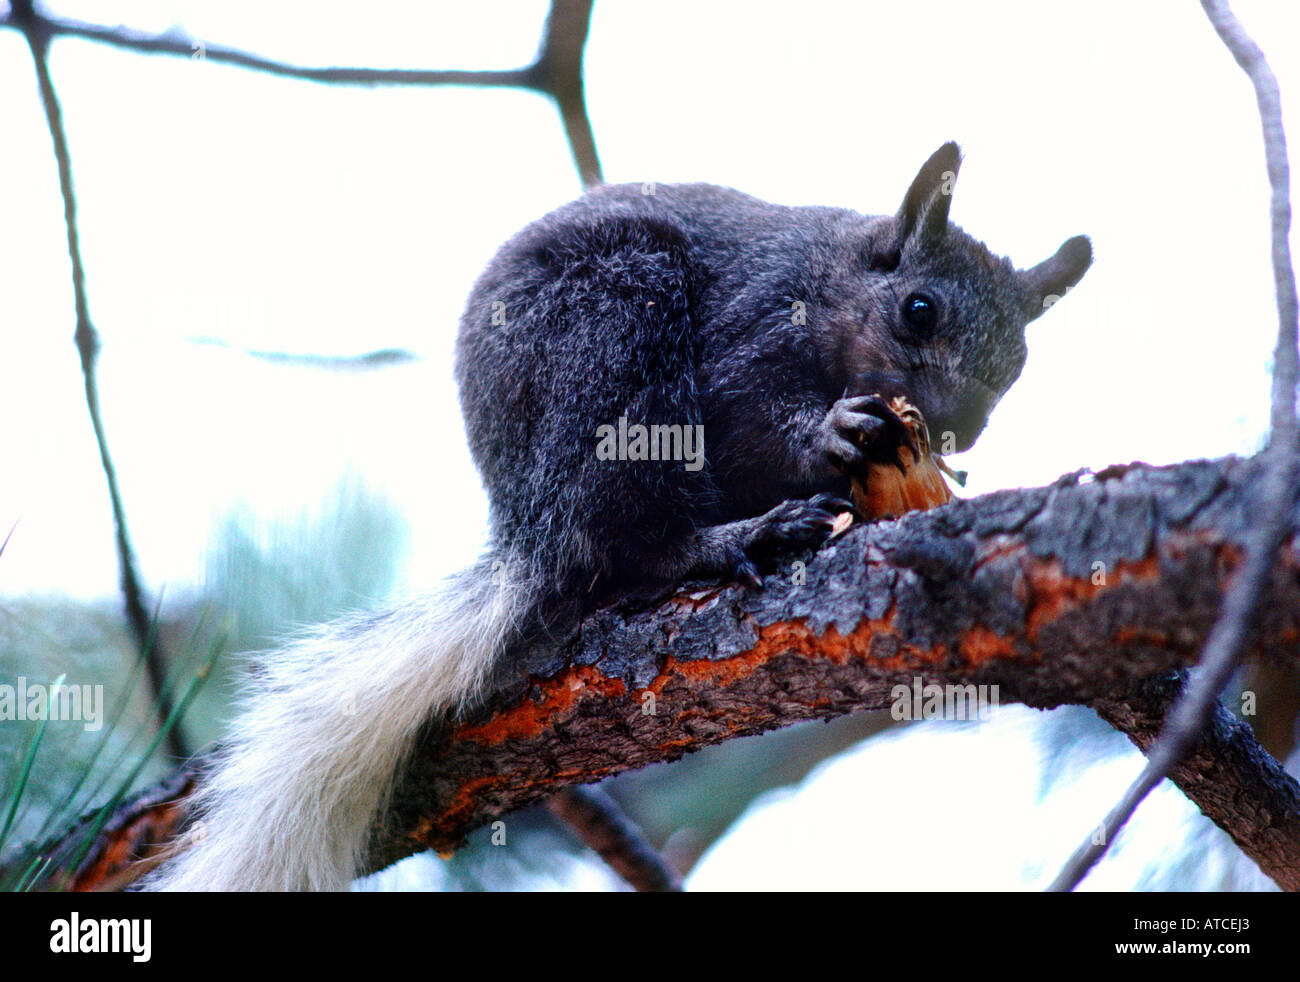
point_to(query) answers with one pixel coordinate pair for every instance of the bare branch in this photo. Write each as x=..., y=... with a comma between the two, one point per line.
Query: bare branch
x=87, y=341
x=598, y=821
x=559, y=67
x=1222, y=650
x=557, y=71
x=186, y=47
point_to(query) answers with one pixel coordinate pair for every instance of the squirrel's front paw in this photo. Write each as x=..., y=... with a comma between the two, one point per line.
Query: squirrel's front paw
x=794, y=526
x=862, y=429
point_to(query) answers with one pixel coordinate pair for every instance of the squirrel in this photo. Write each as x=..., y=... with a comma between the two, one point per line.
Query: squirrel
x=675, y=310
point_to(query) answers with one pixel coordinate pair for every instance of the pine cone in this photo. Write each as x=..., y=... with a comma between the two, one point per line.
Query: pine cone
x=883, y=489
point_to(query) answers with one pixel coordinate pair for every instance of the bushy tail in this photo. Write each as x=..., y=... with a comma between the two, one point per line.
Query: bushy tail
x=326, y=722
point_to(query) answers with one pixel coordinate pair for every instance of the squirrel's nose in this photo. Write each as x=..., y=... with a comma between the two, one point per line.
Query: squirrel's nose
x=959, y=416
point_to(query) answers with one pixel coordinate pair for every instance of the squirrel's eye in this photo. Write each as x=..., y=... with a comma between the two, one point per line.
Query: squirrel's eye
x=920, y=312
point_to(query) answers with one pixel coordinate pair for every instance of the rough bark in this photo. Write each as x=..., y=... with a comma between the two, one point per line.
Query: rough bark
x=1232, y=779
x=1073, y=593
x=1087, y=591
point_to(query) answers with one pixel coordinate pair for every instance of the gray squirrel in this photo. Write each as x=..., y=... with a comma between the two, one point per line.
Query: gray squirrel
x=688, y=306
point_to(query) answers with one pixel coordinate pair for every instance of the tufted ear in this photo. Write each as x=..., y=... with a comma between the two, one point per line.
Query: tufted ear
x=923, y=217
x=1047, y=282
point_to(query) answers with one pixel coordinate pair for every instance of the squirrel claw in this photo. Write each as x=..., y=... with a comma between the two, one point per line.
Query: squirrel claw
x=747, y=573
x=833, y=504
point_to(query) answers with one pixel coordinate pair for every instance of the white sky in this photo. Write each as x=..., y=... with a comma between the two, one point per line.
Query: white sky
x=285, y=215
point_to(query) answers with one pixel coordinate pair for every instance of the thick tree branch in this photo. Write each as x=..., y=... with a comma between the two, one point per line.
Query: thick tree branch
x=1081, y=592
x=1069, y=594
x=1265, y=823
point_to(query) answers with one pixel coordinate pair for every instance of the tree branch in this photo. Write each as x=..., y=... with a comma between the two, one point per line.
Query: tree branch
x=559, y=72
x=1224, y=759
x=556, y=72
x=595, y=818
x=1080, y=592
x=87, y=341
x=183, y=46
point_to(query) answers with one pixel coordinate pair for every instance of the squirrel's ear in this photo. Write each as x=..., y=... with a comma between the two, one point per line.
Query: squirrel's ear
x=924, y=214
x=1047, y=282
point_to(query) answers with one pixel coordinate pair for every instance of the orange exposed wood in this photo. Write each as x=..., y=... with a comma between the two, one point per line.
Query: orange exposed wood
x=559, y=695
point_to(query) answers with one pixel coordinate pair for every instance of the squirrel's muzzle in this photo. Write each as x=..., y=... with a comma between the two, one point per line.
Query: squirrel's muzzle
x=958, y=414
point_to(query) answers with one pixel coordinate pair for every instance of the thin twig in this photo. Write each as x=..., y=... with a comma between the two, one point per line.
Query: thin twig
x=1223, y=647
x=599, y=822
x=176, y=43
x=87, y=341
x=556, y=72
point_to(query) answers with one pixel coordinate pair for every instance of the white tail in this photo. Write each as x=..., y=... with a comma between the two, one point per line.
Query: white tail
x=326, y=722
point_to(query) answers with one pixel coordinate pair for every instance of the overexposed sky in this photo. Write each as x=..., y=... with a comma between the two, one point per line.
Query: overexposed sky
x=276, y=214
x=281, y=215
